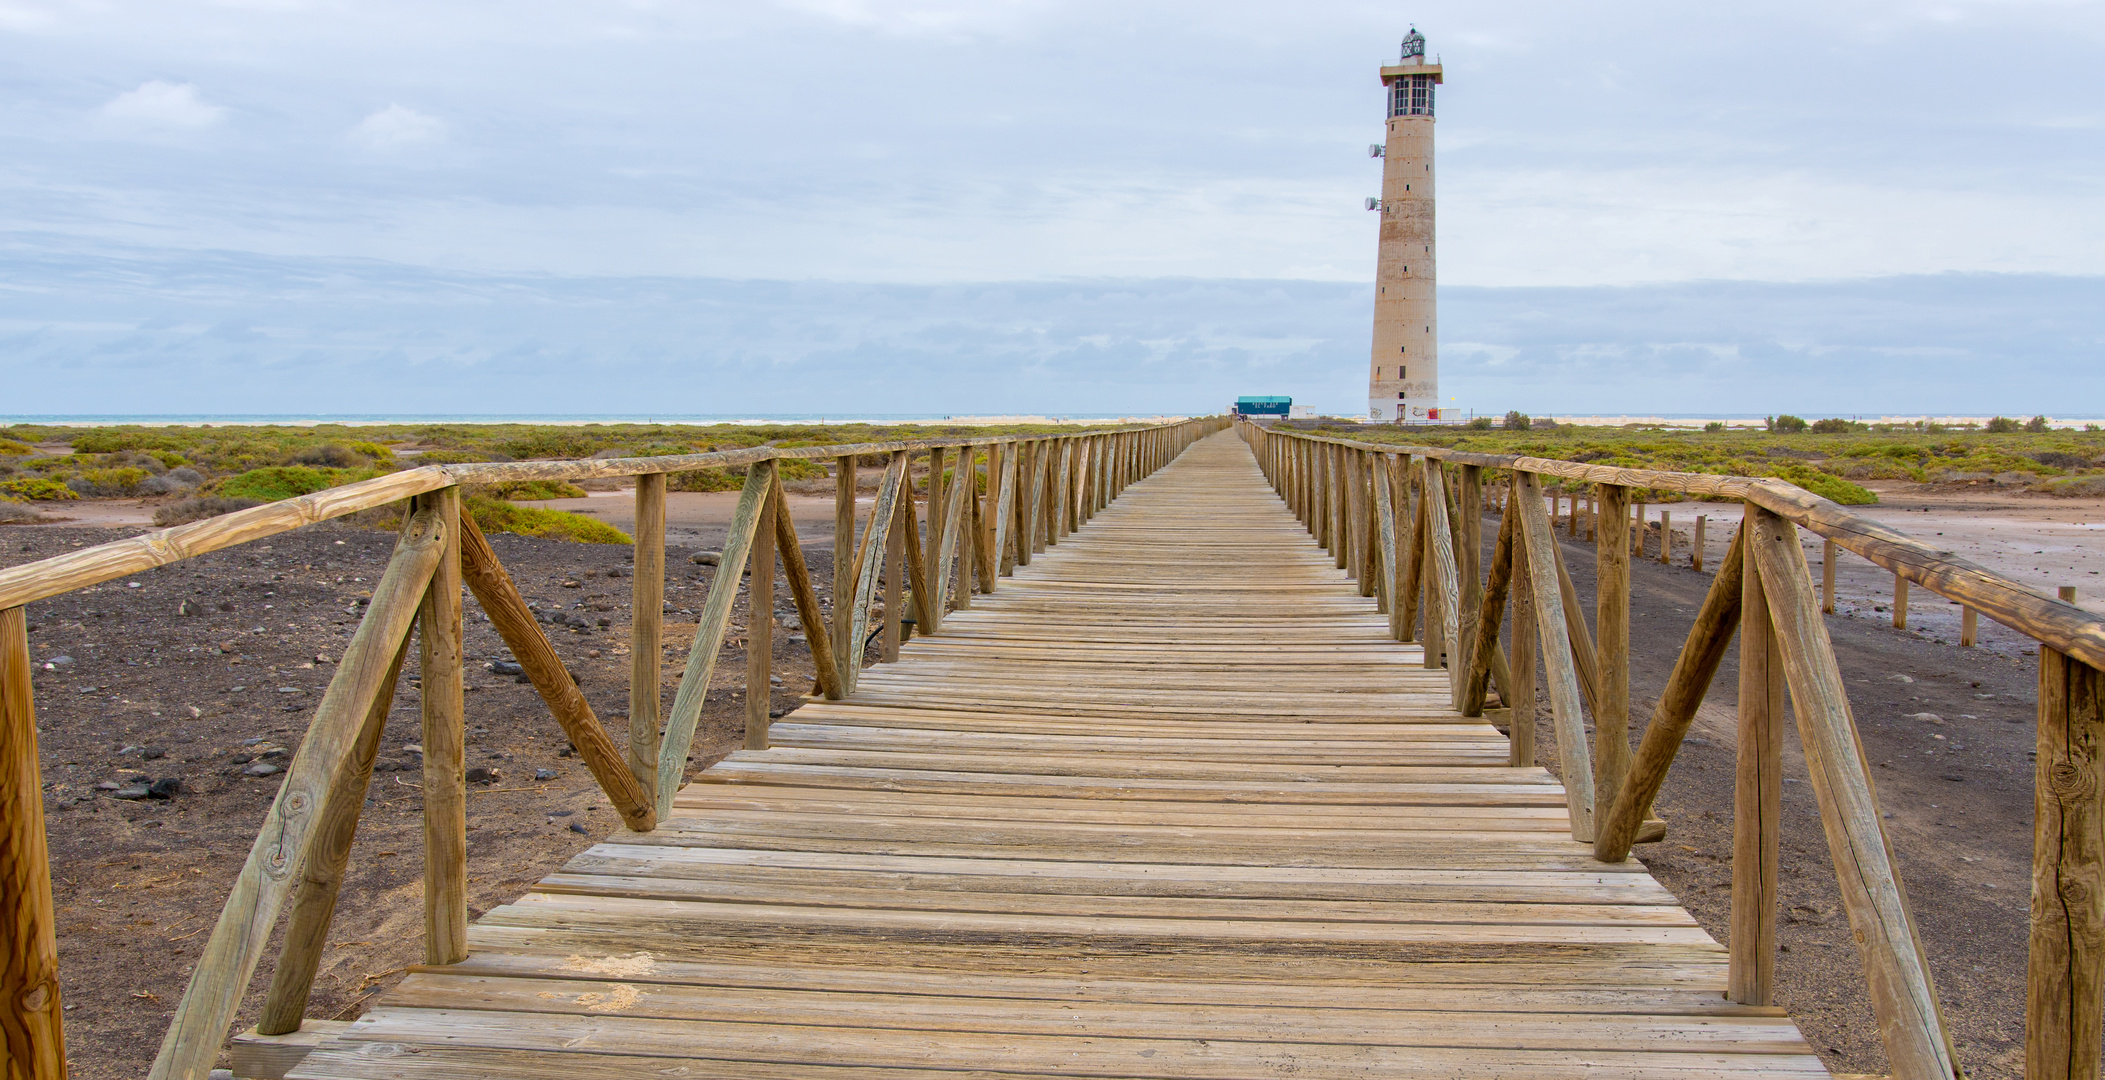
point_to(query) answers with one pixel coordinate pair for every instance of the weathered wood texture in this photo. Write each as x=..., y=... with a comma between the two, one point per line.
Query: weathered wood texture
x=2066, y=991
x=686, y=715
x=1171, y=803
x=514, y=622
x=647, y=629
x=1903, y=998
x=1538, y=545
x=1611, y=626
x=445, y=740
x=304, y=804
x=32, y=1026
x=1693, y=669
x=2065, y=627
x=1757, y=798
x=760, y=618
x=314, y=904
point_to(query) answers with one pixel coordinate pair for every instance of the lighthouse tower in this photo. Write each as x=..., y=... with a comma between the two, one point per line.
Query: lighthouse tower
x=1403, y=384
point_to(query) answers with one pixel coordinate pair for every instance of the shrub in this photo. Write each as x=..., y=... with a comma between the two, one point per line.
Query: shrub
x=1834, y=425
x=286, y=481
x=716, y=479
x=496, y=515
x=2036, y=425
x=1826, y=485
x=1518, y=421
x=551, y=443
x=530, y=490
x=19, y=449
x=198, y=509
x=1786, y=423
x=14, y=513
x=381, y=455
x=106, y=483
x=800, y=468
x=39, y=488
x=2003, y=425
x=1714, y=425
x=2071, y=487
x=330, y=456
x=184, y=476
x=1479, y=423
x=454, y=457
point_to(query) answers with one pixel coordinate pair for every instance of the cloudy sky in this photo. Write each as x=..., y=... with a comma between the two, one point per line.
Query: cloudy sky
x=947, y=206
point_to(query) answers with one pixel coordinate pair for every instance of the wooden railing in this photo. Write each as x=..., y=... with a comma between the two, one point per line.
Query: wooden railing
x=989, y=505
x=1407, y=521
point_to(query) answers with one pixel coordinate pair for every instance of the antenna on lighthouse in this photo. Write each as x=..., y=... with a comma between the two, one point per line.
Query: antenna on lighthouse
x=1375, y=150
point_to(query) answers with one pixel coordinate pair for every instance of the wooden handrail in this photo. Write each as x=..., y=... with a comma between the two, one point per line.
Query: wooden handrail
x=298, y=817
x=59, y=574
x=2064, y=627
x=1038, y=488
x=1765, y=591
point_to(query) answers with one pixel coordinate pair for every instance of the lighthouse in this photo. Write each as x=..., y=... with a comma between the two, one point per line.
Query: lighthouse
x=1403, y=383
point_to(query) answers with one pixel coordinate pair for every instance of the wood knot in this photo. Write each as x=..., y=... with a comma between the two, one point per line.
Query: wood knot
x=2068, y=781
x=274, y=862
x=2074, y=891
x=40, y=996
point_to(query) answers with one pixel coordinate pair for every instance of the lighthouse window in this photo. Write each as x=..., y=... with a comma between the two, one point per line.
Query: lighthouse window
x=1411, y=95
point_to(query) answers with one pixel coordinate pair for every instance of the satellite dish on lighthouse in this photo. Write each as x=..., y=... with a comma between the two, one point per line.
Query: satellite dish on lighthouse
x=1375, y=150
x=1373, y=204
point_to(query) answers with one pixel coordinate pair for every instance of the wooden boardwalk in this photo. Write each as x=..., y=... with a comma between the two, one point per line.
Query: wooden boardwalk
x=1168, y=804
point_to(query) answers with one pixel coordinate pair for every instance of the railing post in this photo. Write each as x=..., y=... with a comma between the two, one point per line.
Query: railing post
x=895, y=540
x=32, y=1025
x=760, y=618
x=647, y=627
x=1469, y=564
x=2065, y=983
x=1611, y=705
x=1443, y=583
x=1828, y=551
x=1695, y=556
x=1903, y=996
x=843, y=556
x=1539, y=545
x=1520, y=734
x=1757, y=799
x=445, y=744
x=1900, y=602
x=938, y=461
x=1412, y=558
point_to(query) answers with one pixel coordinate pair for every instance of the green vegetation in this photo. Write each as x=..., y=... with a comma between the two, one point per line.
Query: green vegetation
x=496, y=515
x=529, y=490
x=36, y=487
x=286, y=481
x=1829, y=463
x=10, y=447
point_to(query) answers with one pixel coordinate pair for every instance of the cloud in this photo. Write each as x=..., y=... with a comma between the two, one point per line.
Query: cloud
x=398, y=127
x=165, y=105
x=144, y=332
